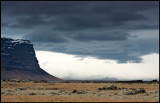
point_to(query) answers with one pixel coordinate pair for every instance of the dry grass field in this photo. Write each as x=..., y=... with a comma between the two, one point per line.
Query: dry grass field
x=78, y=92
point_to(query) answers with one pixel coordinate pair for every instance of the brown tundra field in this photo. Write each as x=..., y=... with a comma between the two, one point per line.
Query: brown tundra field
x=78, y=92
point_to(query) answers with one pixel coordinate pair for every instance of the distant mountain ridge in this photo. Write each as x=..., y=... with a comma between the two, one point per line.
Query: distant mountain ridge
x=18, y=61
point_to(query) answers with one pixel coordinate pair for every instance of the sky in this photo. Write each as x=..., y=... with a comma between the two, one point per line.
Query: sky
x=116, y=40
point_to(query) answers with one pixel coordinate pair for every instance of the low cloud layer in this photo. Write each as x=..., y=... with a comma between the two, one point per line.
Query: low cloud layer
x=116, y=30
x=96, y=69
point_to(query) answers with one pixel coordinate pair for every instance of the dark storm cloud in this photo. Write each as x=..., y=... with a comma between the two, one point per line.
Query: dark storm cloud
x=49, y=8
x=78, y=15
x=45, y=36
x=102, y=37
x=73, y=7
x=65, y=23
x=4, y=24
x=130, y=51
x=28, y=22
x=96, y=21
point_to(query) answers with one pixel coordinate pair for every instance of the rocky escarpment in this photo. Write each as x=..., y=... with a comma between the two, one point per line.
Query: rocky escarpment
x=18, y=61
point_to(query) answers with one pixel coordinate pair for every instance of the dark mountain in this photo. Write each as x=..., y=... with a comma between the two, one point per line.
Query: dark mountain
x=18, y=61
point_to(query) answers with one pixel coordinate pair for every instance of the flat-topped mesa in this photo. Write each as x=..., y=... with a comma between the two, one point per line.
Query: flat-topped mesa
x=18, y=52
x=18, y=61
x=16, y=41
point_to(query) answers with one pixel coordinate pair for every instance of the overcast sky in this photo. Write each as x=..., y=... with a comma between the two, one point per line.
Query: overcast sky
x=121, y=35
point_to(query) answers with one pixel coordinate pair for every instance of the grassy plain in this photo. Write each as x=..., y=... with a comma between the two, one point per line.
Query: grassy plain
x=77, y=92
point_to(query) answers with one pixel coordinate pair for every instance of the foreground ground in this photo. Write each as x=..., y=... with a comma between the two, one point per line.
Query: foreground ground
x=78, y=92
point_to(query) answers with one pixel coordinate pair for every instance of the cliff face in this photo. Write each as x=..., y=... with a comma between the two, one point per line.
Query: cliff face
x=18, y=61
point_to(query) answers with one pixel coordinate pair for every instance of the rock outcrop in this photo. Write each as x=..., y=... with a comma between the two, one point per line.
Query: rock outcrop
x=18, y=61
